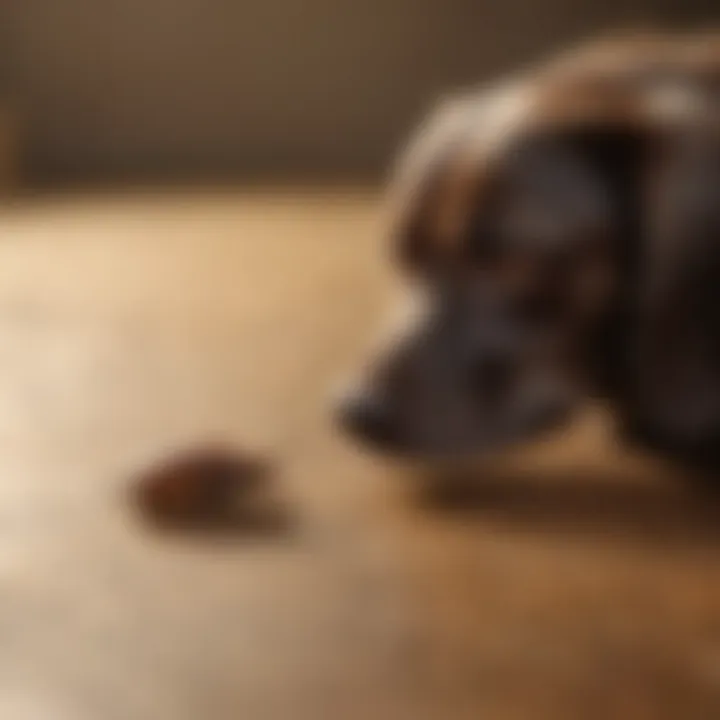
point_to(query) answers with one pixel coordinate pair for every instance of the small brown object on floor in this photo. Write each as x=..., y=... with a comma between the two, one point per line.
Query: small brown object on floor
x=205, y=487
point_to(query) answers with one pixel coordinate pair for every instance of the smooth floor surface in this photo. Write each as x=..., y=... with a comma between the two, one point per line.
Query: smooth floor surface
x=572, y=582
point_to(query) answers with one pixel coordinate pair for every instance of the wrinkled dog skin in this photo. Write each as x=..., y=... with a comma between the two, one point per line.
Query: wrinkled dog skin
x=558, y=231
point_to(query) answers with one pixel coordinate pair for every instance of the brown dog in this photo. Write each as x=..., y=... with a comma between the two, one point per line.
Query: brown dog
x=561, y=234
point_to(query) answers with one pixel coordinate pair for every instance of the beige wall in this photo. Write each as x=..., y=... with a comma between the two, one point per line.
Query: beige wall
x=259, y=85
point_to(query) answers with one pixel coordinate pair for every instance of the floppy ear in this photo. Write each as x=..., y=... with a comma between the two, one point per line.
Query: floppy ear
x=417, y=171
x=675, y=403
x=618, y=152
x=453, y=136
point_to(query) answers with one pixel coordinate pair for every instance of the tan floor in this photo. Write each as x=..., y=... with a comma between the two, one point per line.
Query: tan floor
x=575, y=586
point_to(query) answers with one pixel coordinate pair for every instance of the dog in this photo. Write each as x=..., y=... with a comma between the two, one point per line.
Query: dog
x=559, y=232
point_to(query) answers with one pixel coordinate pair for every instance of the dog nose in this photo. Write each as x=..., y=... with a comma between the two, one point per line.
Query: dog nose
x=365, y=417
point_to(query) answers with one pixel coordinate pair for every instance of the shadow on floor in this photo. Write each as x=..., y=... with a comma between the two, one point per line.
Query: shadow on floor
x=270, y=523
x=584, y=502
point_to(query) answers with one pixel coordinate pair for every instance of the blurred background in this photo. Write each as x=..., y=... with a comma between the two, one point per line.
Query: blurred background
x=158, y=88
x=191, y=251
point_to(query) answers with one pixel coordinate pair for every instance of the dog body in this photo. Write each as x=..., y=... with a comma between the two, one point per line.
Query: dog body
x=561, y=233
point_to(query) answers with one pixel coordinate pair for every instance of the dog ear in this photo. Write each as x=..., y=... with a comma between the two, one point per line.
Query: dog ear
x=675, y=402
x=440, y=160
x=417, y=172
x=618, y=152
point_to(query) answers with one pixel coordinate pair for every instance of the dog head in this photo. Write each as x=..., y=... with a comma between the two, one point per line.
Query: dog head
x=561, y=235
x=505, y=215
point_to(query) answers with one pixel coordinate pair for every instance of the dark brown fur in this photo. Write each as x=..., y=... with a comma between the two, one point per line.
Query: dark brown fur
x=586, y=190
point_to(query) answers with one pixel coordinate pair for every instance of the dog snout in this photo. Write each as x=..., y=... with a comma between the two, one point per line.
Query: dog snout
x=365, y=416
